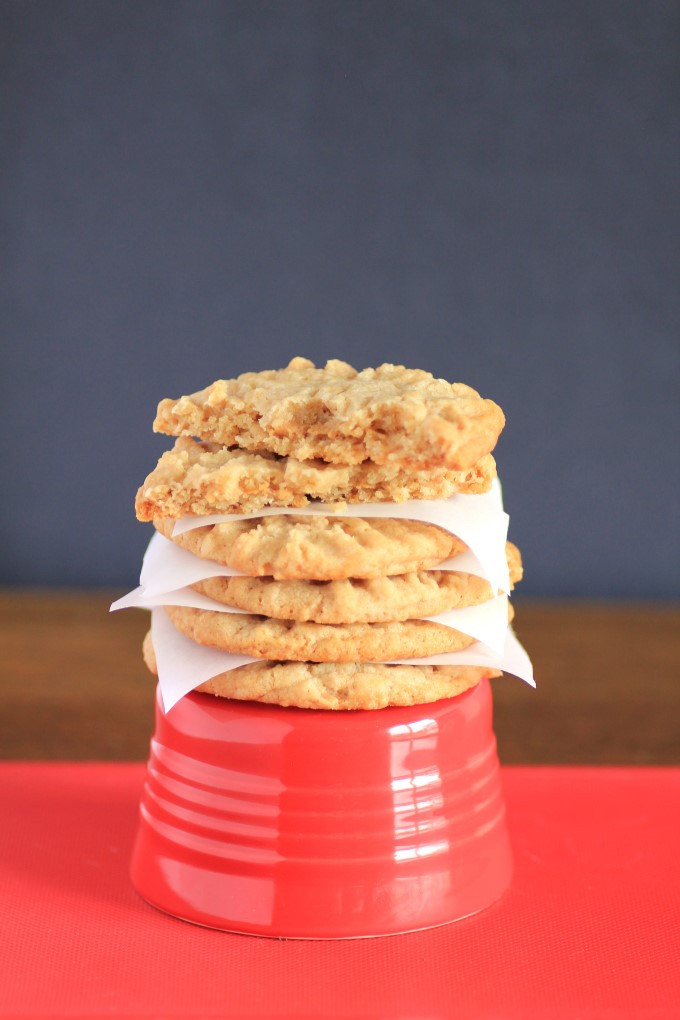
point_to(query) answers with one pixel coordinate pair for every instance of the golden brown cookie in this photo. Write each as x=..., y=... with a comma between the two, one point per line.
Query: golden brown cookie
x=378, y=600
x=266, y=638
x=318, y=548
x=202, y=478
x=389, y=414
x=345, y=685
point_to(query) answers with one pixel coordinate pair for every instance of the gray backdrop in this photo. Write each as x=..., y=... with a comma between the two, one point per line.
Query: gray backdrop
x=483, y=189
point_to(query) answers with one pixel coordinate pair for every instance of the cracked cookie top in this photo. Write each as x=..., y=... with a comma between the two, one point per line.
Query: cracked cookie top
x=389, y=414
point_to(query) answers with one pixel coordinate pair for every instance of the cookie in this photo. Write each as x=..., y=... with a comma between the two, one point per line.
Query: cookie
x=266, y=638
x=318, y=548
x=344, y=685
x=389, y=414
x=203, y=478
x=378, y=600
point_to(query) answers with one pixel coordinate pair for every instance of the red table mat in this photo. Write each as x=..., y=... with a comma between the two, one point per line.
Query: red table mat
x=590, y=927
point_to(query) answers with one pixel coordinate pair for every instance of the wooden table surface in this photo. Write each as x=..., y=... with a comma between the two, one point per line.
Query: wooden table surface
x=74, y=686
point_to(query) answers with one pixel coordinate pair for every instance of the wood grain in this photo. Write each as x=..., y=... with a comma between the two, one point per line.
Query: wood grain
x=74, y=686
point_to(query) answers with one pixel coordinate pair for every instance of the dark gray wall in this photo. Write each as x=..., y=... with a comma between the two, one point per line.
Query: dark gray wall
x=484, y=189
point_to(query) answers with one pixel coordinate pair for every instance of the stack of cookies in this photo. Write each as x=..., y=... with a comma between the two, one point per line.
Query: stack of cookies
x=322, y=603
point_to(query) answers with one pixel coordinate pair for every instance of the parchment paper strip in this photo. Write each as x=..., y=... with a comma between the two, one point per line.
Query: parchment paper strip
x=166, y=566
x=184, y=665
x=479, y=521
x=486, y=622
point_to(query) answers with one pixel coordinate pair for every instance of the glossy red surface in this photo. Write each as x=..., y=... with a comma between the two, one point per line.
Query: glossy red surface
x=315, y=824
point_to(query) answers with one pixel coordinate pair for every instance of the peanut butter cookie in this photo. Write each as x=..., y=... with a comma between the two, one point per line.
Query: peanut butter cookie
x=378, y=600
x=202, y=478
x=318, y=548
x=266, y=638
x=389, y=414
x=344, y=685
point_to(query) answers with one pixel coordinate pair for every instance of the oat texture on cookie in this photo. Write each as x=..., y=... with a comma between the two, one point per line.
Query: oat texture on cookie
x=336, y=414
x=381, y=599
x=319, y=611
x=205, y=478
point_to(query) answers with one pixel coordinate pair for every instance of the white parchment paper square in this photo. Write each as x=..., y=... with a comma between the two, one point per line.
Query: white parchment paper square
x=486, y=622
x=183, y=665
x=479, y=521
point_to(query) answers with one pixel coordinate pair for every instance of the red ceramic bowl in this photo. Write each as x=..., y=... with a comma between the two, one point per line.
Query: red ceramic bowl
x=322, y=825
